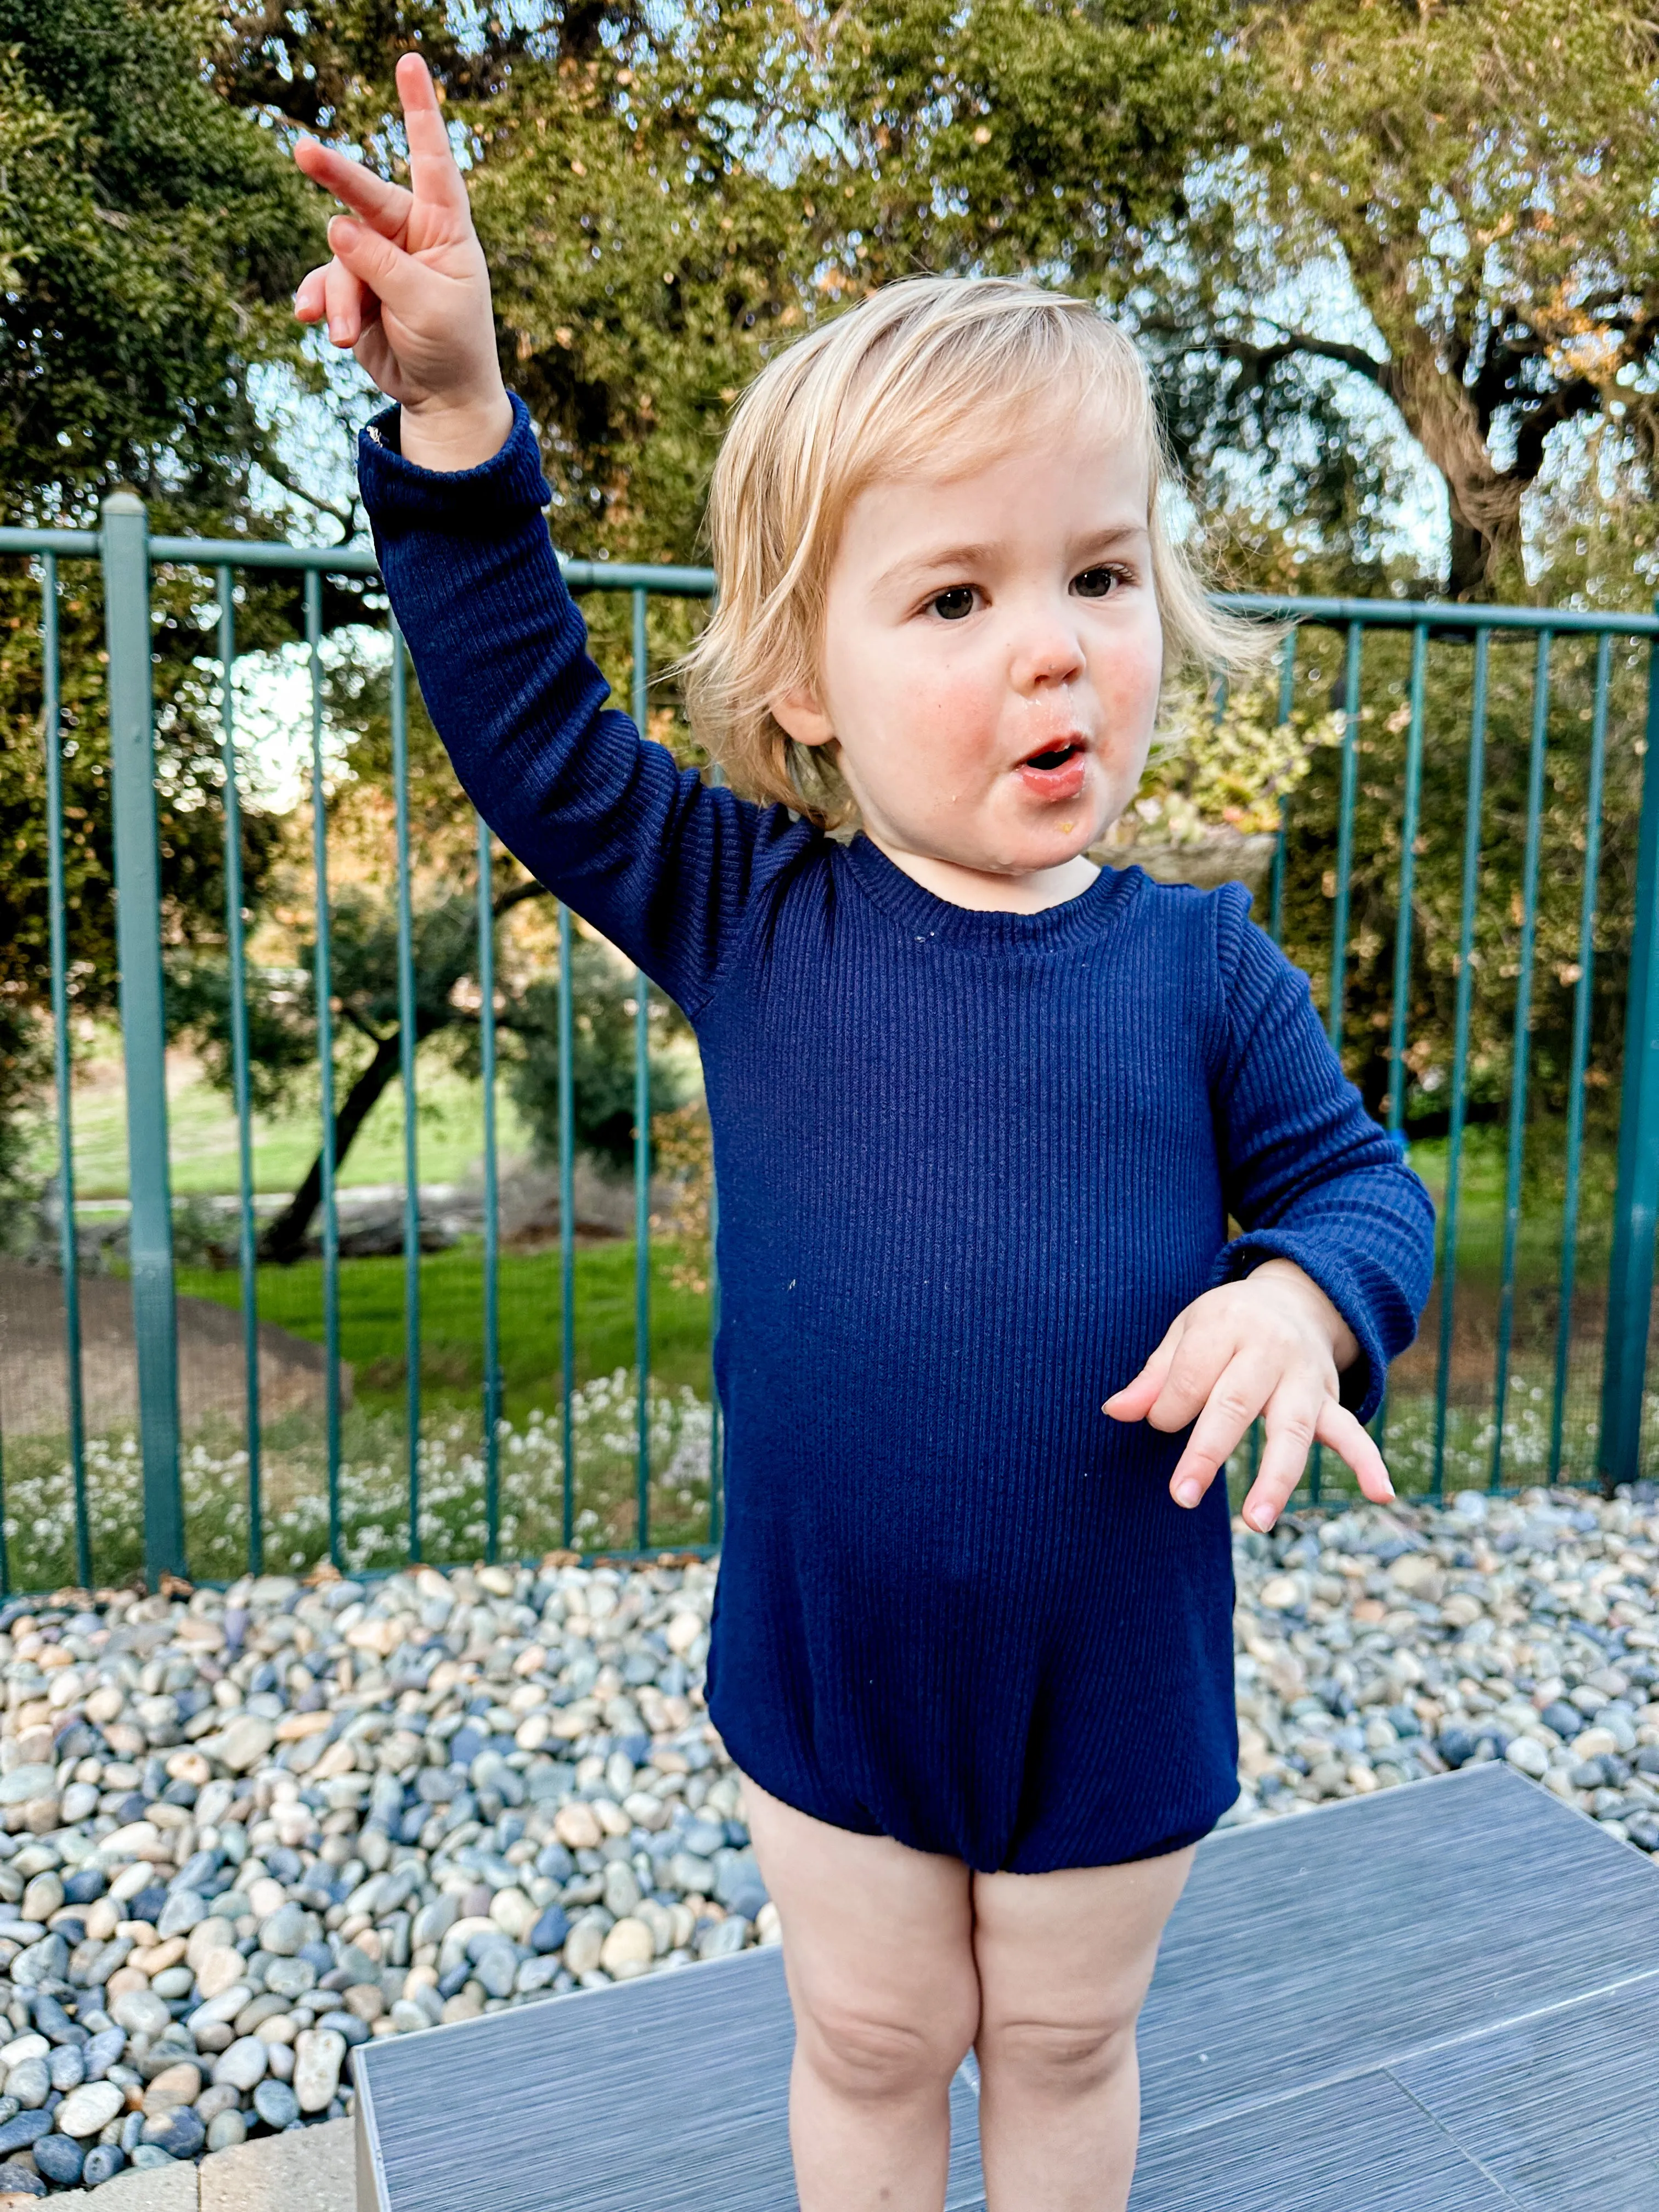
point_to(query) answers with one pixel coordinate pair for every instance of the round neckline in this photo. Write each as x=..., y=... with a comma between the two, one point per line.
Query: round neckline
x=923, y=914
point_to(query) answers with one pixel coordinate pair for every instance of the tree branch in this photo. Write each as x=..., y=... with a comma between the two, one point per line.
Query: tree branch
x=344, y=515
x=506, y=900
x=1260, y=359
x=360, y=1024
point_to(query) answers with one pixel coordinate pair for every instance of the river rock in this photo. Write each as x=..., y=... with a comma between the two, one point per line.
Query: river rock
x=246, y=1741
x=85, y=2110
x=319, y=2054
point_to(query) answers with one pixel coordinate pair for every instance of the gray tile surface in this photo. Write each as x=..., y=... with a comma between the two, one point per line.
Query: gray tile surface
x=1432, y=1999
x=627, y=2099
x=1360, y=2146
x=1561, y=2109
x=1335, y=1941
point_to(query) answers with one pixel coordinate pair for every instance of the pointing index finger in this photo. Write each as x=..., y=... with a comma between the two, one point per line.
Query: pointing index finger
x=431, y=161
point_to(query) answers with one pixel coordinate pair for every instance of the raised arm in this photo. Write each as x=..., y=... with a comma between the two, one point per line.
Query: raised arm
x=664, y=865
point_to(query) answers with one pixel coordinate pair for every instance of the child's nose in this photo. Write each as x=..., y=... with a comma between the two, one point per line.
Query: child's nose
x=1047, y=651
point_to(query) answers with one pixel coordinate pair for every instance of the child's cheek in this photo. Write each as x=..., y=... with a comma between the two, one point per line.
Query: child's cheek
x=1128, y=684
x=963, y=714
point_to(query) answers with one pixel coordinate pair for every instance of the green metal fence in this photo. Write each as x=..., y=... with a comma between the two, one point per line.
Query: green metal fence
x=1414, y=685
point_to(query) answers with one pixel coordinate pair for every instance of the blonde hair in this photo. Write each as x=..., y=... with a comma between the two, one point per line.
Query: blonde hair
x=920, y=376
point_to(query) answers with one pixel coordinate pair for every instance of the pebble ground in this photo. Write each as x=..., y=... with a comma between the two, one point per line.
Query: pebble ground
x=242, y=1831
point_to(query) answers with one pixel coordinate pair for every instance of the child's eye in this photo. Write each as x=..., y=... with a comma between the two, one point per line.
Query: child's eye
x=954, y=605
x=1099, y=583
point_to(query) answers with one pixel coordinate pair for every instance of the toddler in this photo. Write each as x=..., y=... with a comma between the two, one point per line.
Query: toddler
x=981, y=1111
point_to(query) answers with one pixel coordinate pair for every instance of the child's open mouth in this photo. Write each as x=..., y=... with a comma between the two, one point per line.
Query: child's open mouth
x=1055, y=773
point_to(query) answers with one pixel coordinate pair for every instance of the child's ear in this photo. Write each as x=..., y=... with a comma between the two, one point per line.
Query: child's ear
x=799, y=713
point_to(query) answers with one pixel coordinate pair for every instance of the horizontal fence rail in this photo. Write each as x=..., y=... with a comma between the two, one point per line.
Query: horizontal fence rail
x=1498, y=736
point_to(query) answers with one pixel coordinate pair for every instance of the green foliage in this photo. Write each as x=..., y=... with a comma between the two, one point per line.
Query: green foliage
x=1482, y=172
x=662, y=198
x=1233, y=765
x=150, y=239
x=1311, y=879
x=601, y=1058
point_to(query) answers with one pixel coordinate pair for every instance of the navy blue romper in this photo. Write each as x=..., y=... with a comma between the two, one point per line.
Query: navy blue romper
x=970, y=1167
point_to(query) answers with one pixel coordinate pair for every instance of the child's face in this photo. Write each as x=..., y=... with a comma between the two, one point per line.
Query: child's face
x=974, y=622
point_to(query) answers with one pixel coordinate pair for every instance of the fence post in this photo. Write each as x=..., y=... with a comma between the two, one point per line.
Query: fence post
x=138, y=946
x=1636, y=1208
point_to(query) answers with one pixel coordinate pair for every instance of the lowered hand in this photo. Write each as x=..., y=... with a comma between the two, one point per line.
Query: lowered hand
x=1275, y=1344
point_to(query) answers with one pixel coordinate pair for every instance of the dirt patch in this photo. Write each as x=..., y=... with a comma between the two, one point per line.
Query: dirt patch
x=34, y=1369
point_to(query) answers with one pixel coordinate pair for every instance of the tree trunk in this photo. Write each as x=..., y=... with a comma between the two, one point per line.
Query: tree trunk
x=1441, y=414
x=283, y=1241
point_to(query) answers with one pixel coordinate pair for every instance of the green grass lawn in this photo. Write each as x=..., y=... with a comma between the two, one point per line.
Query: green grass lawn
x=202, y=1131
x=1481, y=1200
x=452, y=1326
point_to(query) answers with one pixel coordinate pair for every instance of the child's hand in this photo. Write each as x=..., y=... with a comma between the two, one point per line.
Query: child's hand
x=1272, y=1342
x=408, y=290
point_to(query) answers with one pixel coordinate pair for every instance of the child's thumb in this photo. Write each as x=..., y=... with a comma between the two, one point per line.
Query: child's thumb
x=390, y=273
x=1140, y=1394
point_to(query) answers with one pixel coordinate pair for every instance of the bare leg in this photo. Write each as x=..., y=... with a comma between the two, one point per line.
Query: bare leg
x=877, y=1950
x=1064, y=1961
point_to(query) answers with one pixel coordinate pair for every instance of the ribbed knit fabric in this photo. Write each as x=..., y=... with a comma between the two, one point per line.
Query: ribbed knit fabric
x=970, y=1167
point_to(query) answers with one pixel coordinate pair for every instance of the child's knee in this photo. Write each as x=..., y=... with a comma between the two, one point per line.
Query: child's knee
x=874, y=2053
x=1056, y=2059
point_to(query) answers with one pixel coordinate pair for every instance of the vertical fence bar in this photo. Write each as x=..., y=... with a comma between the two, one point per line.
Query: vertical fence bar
x=492, y=1338
x=248, y=1250
x=325, y=991
x=1400, y=1013
x=407, y=1040
x=69, y=1247
x=1345, y=830
x=716, y=1471
x=1348, y=794
x=1540, y=718
x=1473, y=800
x=1276, y=906
x=642, y=1138
x=1636, y=1207
x=1276, y=880
x=567, y=1227
x=138, y=941
x=1580, y=1059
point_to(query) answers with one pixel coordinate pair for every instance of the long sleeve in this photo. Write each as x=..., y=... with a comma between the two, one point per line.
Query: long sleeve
x=665, y=866
x=1307, y=1173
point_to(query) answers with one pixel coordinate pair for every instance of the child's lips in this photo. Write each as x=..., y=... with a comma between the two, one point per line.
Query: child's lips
x=1064, y=781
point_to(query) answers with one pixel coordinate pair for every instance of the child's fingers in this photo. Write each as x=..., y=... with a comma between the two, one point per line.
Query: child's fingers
x=1241, y=1390
x=1292, y=1429
x=397, y=277
x=1135, y=1399
x=343, y=297
x=1293, y=1422
x=385, y=206
x=310, y=302
x=432, y=167
x=1339, y=1429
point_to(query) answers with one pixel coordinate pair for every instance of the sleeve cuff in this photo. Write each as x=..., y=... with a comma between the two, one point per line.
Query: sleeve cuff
x=1361, y=1384
x=466, y=502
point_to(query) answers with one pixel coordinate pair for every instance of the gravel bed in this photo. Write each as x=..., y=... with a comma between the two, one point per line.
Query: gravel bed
x=1375, y=1647
x=242, y=1831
